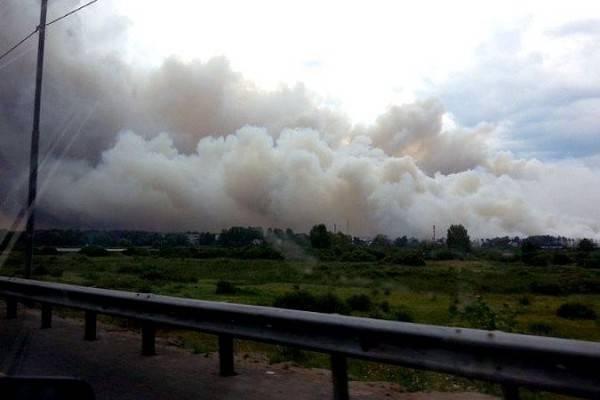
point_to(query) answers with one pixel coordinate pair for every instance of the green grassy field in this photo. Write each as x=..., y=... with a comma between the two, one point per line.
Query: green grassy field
x=479, y=294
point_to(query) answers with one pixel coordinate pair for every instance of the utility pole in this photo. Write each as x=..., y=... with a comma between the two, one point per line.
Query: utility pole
x=35, y=139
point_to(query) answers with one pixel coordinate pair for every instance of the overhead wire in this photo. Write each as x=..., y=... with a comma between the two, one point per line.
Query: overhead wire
x=6, y=53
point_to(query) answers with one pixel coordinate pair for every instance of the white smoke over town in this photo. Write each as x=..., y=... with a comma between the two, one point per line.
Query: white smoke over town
x=196, y=146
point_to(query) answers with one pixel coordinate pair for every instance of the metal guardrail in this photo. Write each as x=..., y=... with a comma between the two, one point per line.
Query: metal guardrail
x=511, y=360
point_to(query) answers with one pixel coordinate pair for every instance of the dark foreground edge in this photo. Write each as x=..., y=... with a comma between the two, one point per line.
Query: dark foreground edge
x=512, y=360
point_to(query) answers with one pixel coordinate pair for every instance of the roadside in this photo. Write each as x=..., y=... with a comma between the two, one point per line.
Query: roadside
x=116, y=370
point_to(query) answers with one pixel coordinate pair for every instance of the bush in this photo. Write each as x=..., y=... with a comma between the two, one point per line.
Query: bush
x=561, y=259
x=411, y=258
x=93, y=251
x=40, y=270
x=445, y=254
x=153, y=274
x=330, y=303
x=358, y=255
x=260, y=252
x=55, y=272
x=359, y=302
x=385, y=306
x=46, y=251
x=480, y=315
x=297, y=300
x=225, y=287
x=575, y=311
x=135, y=251
x=549, y=289
x=303, y=300
x=404, y=315
x=210, y=252
x=524, y=301
x=590, y=260
x=540, y=328
x=536, y=260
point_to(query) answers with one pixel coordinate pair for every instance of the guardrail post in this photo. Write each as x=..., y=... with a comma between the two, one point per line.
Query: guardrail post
x=46, y=316
x=226, y=355
x=510, y=392
x=90, y=326
x=148, y=339
x=339, y=375
x=11, y=308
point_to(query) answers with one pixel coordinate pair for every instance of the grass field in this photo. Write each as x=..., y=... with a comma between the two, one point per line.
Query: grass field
x=479, y=294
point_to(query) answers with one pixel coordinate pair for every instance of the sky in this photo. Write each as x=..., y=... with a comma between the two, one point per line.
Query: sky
x=530, y=66
x=383, y=116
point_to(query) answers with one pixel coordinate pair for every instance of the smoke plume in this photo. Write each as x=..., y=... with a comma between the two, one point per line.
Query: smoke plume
x=197, y=146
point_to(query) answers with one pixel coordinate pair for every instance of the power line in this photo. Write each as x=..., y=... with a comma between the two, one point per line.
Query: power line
x=18, y=44
x=71, y=12
x=48, y=24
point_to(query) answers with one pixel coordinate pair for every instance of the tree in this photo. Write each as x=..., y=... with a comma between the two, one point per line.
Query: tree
x=381, y=240
x=319, y=237
x=458, y=238
x=586, y=245
x=401, y=241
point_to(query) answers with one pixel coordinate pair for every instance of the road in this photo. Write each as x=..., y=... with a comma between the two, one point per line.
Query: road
x=116, y=370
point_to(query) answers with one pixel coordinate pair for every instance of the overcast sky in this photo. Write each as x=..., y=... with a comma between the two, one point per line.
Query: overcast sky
x=531, y=66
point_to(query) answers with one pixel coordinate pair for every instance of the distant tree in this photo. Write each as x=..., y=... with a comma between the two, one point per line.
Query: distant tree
x=238, y=236
x=458, y=238
x=586, y=245
x=529, y=251
x=340, y=239
x=206, y=238
x=401, y=241
x=319, y=237
x=381, y=240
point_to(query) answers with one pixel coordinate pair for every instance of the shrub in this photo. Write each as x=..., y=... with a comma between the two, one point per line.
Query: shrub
x=358, y=255
x=575, y=311
x=404, y=315
x=524, y=301
x=359, y=302
x=225, y=287
x=153, y=274
x=260, y=252
x=330, y=303
x=445, y=255
x=586, y=245
x=55, y=272
x=536, y=260
x=385, y=306
x=561, y=259
x=550, y=289
x=540, y=328
x=210, y=252
x=411, y=258
x=303, y=300
x=590, y=260
x=480, y=315
x=40, y=270
x=93, y=251
x=135, y=251
x=297, y=300
x=46, y=251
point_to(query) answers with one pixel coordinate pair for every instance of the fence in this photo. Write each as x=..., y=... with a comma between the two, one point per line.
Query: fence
x=511, y=360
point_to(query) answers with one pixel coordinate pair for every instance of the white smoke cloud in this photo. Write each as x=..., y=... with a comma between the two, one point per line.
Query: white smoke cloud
x=298, y=179
x=197, y=146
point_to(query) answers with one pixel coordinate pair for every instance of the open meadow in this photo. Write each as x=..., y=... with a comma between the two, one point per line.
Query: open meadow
x=561, y=301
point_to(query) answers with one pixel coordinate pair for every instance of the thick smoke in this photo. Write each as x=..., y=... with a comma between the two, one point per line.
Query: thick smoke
x=196, y=146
